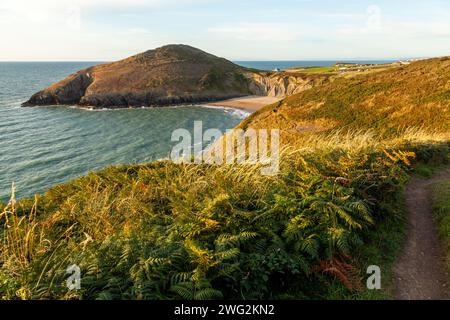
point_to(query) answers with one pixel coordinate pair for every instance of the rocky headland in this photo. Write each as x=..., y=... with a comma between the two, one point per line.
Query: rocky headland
x=170, y=75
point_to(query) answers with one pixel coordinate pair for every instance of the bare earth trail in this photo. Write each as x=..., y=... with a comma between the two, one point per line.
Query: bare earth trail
x=419, y=272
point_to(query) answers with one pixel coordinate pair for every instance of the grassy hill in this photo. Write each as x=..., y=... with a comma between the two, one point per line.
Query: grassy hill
x=171, y=231
x=168, y=75
x=386, y=102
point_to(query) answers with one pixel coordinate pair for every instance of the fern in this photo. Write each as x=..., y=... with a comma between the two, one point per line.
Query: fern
x=208, y=294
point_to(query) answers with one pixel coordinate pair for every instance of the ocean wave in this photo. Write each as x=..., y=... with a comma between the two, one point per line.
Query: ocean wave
x=234, y=112
x=238, y=113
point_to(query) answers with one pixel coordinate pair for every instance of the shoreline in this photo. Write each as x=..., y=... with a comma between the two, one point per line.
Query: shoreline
x=249, y=104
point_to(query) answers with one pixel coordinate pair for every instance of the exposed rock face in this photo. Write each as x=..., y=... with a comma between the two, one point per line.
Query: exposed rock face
x=284, y=84
x=69, y=91
x=173, y=74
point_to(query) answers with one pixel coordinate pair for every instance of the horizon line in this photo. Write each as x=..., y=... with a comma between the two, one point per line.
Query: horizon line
x=247, y=60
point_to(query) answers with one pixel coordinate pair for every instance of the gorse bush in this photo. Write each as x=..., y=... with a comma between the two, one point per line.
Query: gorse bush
x=171, y=231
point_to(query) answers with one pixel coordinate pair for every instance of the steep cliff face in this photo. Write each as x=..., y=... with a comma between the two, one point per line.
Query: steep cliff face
x=68, y=91
x=284, y=84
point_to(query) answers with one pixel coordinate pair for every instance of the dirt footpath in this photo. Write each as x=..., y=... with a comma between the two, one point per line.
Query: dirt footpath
x=419, y=272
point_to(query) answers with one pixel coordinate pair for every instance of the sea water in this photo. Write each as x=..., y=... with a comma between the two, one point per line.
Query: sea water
x=44, y=146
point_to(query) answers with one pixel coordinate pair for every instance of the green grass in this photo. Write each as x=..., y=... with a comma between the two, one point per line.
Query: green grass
x=441, y=209
x=186, y=231
x=386, y=102
x=315, y=70
x=424, y=170
x=171, y=231
x=382, y=248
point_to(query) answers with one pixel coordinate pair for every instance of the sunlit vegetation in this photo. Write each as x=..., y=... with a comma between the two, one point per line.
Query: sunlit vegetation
x=187, y=231
x=441, y=209
x=317, y=70
x=386, y=102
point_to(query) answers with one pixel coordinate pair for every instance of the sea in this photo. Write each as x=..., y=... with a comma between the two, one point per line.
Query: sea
x=44, y=146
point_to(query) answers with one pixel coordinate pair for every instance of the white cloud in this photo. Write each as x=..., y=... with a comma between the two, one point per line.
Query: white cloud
x=110, y=29
x=69, y=13
x=339, y=15
x=136, y=31
x=30, y=7
x=376, y=25
x=259, y=31
x=399, y=29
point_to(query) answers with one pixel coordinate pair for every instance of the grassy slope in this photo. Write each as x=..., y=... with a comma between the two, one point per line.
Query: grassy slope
x=163, y=230
x=417, y=95
x=398, y=105
x=314, y=70
x=441, y=208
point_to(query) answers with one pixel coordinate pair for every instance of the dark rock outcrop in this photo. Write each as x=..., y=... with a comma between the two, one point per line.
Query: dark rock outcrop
x=69, y=91
x=284, y=84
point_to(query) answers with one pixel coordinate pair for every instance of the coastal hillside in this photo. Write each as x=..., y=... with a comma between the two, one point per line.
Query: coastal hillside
x=198, y=231
x=167, y=75
x=173, y=74
x=385, y=102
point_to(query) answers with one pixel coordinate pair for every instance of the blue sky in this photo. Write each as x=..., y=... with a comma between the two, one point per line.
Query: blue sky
x=103, y=30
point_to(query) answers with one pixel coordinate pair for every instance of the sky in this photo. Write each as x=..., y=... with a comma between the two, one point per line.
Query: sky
x=107, y=30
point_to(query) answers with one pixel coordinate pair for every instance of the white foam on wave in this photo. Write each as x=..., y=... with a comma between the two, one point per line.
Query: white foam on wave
x=94, y=109
x=239, y=113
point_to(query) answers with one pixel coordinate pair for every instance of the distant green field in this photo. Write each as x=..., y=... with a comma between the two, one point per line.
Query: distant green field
x=318, y=70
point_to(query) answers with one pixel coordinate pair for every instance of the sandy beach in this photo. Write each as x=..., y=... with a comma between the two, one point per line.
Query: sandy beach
x=248, y=103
